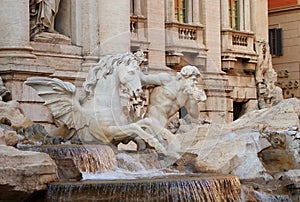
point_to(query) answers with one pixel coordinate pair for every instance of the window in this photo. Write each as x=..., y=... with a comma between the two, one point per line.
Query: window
x=275, y=41
x=234, y=13
x=181, y=11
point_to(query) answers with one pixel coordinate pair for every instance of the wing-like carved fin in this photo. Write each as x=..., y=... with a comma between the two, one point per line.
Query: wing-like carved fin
x=58, y=96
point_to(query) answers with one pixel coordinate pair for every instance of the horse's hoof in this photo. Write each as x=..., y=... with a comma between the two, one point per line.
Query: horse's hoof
x=141, y=145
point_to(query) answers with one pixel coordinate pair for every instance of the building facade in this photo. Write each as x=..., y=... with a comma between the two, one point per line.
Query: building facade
x=218, y=37
x=284, y=23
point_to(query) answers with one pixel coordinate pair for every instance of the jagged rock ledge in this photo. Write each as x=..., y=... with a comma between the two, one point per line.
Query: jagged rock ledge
x=23, y=173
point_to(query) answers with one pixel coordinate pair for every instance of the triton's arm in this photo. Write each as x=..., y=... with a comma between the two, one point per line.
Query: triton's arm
x=155, y=79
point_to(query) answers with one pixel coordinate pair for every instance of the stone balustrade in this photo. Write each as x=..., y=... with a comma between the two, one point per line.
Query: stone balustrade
x=188, y=36
x=238, y=45
x=184, y=38
x=189, y=33
x=237, y=41
x=133, y=24
x=138, y=31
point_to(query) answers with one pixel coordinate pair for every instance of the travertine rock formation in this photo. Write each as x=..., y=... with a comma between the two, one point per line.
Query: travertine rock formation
x=11, y=111
x=22, y=173
x=260, y=144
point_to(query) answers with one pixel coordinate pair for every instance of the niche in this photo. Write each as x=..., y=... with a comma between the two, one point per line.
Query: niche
x=238, y=108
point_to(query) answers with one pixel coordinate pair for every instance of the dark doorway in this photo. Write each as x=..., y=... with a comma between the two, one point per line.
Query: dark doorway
x=237, y=109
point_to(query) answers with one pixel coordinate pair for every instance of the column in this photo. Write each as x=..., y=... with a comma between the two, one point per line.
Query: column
x=247, y=15
x=88, y=30
x=14, y=29
x=225, y=14
x=114, y=26
x=170, y=10
x=196, y=12
x=76, y=21
x=137, y=8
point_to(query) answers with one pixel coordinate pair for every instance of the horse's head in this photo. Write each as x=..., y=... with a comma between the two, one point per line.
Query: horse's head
x=125, y=68
x=129, y=75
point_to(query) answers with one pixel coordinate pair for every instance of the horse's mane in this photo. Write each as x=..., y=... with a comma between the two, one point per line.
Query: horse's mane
x=106, y=65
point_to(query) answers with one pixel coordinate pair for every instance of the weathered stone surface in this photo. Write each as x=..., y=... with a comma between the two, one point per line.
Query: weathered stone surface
x=2, y=137
x=234, y=148
x=279, y=117
x=290, y=178
x=11, y=111
x=8, y=137
x=67, y=170
x=11, y=138
x=24, y=172
x=232, y=153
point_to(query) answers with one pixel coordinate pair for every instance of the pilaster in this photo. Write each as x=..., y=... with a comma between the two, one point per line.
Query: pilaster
x=225, y=14
x=241, y=16
x=247, y=15
x=169, y=10
x=14, y=29
x=196, y=12
x=213, y=35
x=190, y=12
x=137, y=8
x=114, y=26
x=156, y=34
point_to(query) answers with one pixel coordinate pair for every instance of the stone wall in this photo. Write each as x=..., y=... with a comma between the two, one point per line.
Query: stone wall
x=287, y=65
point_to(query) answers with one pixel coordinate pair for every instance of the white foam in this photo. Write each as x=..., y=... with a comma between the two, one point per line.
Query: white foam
x=123, y=174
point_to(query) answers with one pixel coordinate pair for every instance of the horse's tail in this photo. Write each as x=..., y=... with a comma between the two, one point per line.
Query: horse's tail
x=59, y=97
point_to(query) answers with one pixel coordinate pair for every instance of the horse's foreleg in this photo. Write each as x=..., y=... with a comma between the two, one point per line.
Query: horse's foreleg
x=133, y=128
x=163, y=135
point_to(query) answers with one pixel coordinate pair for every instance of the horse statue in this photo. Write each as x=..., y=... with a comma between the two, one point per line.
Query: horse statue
x=100, y=116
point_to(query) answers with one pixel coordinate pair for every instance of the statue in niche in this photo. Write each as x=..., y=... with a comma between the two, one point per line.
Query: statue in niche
x=265, y=76
x=42, y=16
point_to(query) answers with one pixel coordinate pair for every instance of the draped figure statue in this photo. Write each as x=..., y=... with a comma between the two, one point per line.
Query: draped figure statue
x=42, y=16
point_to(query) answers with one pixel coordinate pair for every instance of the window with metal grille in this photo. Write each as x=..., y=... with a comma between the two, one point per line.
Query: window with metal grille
x=275, y=41
x=181, y=11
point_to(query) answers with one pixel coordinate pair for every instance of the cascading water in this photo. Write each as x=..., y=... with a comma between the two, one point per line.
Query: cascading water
x=132, y=177
x=206, y=188
x=87, y=158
